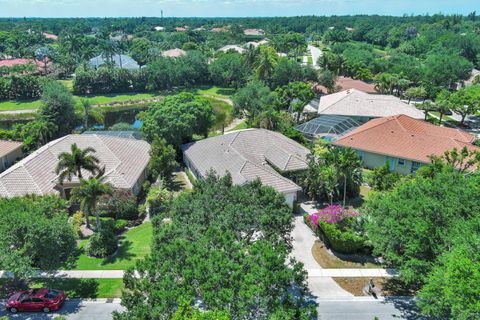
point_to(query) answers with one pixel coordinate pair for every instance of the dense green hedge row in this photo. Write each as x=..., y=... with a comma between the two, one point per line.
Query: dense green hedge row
x=21, y=87
x=342, y=241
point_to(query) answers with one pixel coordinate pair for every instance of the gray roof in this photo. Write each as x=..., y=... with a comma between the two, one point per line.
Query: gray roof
x=124, y=159
x=357, y=103
x=136, y=135
x=119, y=60
x=249, y=154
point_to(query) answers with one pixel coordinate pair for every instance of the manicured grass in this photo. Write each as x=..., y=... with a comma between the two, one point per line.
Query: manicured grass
x=240, y=126
x=218, y=92
x=19, y=105
x=110, y=98
x=310, y=60
x=74, y=288
x=134, y=246
x=67, y=83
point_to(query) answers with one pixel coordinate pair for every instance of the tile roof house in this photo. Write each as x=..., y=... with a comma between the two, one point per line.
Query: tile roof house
x=404, y=142
x=125, y=162
x=10, y=151
x=361, y=105
x=174, y=53
x=346, y=83
x=232, y=47
x=50, y=36
x=247, y=155
x=253, y=32
x=119, y=61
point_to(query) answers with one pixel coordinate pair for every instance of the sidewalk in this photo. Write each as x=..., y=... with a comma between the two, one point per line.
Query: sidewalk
x=353, y=273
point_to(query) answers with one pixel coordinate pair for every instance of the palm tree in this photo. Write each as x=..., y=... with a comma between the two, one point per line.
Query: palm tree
x=86, y=108
x=349, y=167
x=88, y=193
x=71, y=163
x=265, y=64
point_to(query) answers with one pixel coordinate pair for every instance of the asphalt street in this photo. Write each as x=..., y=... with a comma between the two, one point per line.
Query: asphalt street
x=73, y=310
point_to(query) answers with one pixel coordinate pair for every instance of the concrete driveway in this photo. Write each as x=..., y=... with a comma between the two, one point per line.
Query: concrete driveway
x=303, y=240
x=74, y=309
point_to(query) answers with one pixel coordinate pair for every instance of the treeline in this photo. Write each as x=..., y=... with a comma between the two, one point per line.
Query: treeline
x=227, y=70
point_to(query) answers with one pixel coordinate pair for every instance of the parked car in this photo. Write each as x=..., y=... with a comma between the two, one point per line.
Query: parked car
x=42, y=299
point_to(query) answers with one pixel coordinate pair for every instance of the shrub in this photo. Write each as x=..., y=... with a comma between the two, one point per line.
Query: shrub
x=343, y=241
x=120, y=205
x=382, y=179
x=336, y=227
x=102, y=243
x=77, y=221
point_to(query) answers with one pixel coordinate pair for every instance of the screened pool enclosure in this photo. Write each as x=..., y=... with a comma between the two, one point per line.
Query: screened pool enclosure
x=327, y=127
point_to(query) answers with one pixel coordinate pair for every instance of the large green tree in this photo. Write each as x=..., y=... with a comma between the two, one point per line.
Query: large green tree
x=177, y=118
x=411, y=225
x=162, y=159
x=226, y=247
x=34, y=233
x=252, y=100
x=58, y=107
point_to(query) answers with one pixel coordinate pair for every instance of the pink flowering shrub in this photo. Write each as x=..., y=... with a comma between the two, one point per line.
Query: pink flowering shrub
x=332, y=214
x=334, y=226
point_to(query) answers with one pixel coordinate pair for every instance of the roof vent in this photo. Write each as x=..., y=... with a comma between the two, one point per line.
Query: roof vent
x=391, y=131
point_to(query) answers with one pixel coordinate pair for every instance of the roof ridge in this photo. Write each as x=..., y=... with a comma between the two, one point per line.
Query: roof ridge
x=113, y=153
x=347, y=95
x=356, y=131
x=272, y=171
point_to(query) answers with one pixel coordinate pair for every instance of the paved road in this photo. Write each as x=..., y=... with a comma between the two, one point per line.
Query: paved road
x=73, y=310
x=367, y=309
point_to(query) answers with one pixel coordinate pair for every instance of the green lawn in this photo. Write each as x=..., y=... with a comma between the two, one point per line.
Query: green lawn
x=240, y=126
x=134, y=246
x=19, y=105
x=109, y=98
x=217, y=92
x=310, y=60
x=74, y=288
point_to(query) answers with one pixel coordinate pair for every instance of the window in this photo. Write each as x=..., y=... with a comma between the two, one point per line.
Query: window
x=37, y=300
x=415, y=166
x=361, y=154
x=401, y=162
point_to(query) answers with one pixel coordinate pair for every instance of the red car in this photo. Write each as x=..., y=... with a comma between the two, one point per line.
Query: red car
x=43, y=299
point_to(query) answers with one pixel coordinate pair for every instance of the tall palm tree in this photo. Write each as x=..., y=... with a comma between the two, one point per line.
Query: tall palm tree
x=71, y=163
x=265, y=64
x=45, y=130
x=349, y=167
x=88, y=194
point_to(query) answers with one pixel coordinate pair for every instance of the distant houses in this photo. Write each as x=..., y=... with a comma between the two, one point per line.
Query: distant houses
x=173, y=53
x=254, y=32
x=121, y=61
x=346, y=83
x=249, y=155
x=125, y=161
x=403, y=142
x=230, y=47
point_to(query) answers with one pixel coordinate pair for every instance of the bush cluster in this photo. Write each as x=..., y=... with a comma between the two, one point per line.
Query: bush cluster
x=102, y=243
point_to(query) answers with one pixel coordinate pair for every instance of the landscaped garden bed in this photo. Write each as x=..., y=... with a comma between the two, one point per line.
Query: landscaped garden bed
x=339, y=229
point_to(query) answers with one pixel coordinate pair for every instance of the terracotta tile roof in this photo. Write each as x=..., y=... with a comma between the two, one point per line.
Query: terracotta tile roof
x=404, y=137
x=249, y=154
x=356, y=103
x=8, y=146
x=124, y=160
x=346, y=83
x=14, y=62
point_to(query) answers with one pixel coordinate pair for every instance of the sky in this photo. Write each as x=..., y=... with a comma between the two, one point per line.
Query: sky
x=229, y=8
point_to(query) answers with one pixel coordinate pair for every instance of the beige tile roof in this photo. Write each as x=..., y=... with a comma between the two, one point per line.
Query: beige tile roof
x=232, y=47
x=250, y=154
x=356, y=103
x=124, y=161
x=404, y=137
x=174, y=53
x=8, y=146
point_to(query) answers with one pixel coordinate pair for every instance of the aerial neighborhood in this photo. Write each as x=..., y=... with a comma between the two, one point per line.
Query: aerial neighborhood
x=313, y=167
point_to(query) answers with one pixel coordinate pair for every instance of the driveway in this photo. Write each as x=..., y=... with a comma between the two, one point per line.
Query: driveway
x=303, y=240
x=316, y=53
x=74, y=309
